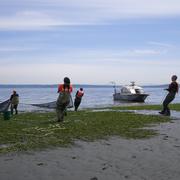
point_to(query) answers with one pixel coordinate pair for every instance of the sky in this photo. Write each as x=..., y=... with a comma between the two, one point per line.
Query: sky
x=90, y=41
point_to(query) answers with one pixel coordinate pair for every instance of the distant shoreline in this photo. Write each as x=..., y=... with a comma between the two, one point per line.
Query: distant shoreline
x=75, y=85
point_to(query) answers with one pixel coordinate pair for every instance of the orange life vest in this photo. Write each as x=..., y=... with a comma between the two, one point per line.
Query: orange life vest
x=80, y=94
x=62, y=89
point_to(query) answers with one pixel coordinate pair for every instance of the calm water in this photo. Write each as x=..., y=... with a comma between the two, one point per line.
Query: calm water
x=94, y=96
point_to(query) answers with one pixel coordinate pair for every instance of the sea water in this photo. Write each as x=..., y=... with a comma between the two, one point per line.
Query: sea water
x=95, y=96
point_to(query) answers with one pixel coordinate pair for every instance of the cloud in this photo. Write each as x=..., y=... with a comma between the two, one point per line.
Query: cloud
x=29, y=20
x=121, y=7
x=16, y=49
x=79, y=56
x=31, y=14
x=160, y=44
x=102, y=54
x=128, y=8
x=147, y=52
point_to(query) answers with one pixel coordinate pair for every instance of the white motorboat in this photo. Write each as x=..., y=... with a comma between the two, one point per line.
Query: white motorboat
x=130, y=93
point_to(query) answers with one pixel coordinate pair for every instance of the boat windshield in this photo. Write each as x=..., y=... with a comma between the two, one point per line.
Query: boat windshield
x=138, y=91
x=125, y=90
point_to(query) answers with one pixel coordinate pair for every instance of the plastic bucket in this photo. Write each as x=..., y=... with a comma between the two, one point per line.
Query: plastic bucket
x=7, y=115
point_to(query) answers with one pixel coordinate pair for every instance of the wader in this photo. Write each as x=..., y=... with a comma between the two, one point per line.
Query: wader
x=169, y=98
x=14, y=106
x=61, y=105
x=77, y=102
x=14, y=103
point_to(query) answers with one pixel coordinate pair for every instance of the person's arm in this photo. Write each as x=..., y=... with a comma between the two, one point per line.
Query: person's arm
x=71, y=88
x=169, y=87
x=177, y=87
x=58, y=90
x=76, y=93
x=17, y=96
x=11, y=97
x=60, y=87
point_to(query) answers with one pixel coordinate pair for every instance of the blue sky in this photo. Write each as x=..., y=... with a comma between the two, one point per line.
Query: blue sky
x=92, y=42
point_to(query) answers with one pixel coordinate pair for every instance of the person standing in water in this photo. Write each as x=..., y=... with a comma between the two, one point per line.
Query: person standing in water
x=172, y=90
x=78, y=98
x=63, y=100
x=14, y=101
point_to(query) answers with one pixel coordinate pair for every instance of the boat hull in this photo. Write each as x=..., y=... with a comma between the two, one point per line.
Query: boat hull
x=130, y=97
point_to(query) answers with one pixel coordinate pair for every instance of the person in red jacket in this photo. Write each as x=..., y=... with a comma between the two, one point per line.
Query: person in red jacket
x=172, y=91
x=63, y=100
x=78, y=98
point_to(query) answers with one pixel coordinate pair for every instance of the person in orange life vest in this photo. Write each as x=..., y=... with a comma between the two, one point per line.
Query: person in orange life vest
x=63, y=100
x=78, y=98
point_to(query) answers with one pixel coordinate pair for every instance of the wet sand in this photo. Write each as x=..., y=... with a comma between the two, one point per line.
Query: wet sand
x=157, y=158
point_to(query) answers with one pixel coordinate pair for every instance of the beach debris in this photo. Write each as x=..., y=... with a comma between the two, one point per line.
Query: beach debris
x=106, y=166
x=94, y=178
x=134, y=157
x=107, y=144
x=177, y=146
x=40, y=164
x=9, y=159
x=165, y=137
x=148, y=149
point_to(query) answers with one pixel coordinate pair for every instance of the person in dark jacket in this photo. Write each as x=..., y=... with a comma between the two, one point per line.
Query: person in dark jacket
x=78, y=98
x=14, y=100
x=172, y=90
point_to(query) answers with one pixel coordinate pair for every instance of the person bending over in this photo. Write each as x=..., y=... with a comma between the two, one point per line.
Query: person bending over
x=172, y=90
x=78, y=98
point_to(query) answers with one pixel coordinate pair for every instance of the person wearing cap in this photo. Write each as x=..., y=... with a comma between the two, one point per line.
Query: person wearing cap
x=172, y=91
x=63, y=100
x=14, y=101
x=78, y=98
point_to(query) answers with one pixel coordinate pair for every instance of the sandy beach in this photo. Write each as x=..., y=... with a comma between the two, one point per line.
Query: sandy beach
x=157, y=158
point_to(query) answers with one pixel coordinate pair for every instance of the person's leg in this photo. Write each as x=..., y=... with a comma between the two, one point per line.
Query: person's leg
x=61, y=110
x=168, y=112
x=15, y=107
x=76, y=104
x=59, y=114
x=165, y=106
x=65, y=112
x=75, y=107
x=169, y=98
x=165, y=103
x=12, y=107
